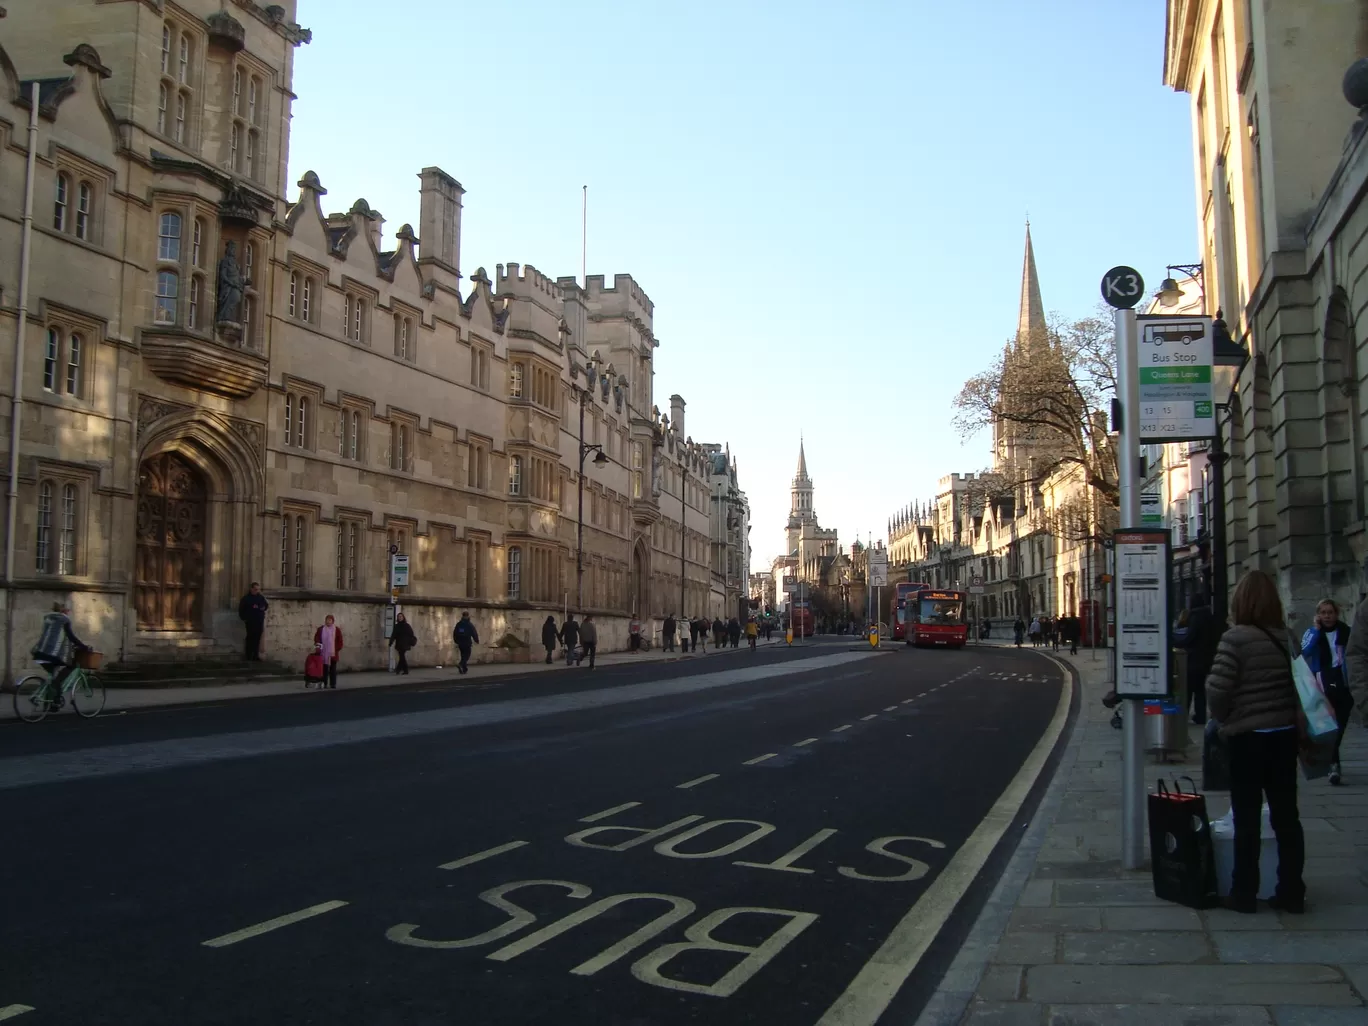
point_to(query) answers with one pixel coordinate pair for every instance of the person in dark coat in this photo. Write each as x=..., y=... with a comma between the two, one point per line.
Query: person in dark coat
x=698, y=628
x=734, y=631
x=403, y=639
x=549, y=636
x=465, y=635
x=719, y=630
x=1019, y=630
x=252, y=612
x=667, y=632
x=569, y=635
x=1200, y=641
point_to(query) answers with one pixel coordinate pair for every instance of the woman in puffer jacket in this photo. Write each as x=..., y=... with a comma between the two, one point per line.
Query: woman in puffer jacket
x=1250, y=692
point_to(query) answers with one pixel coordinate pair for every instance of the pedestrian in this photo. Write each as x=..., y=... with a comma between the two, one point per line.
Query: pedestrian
x=465, y=636
x=634, y=634
x=252, y=612
x=1323, y=648
x=1199, y=639
x=719, y=630
x=589, y=638
x=752, y=631
x=667, y=632
x=403, y=639
x=328, y=638
x=1251, y=693
x=1035, y=633
x=570, y=635
x=549, y=634
x=700, y=629
x=734, y=631
x=1019, y=630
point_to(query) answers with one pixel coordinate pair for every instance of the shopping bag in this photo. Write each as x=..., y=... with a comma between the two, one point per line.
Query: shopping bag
x=1215, y=759
x=313, y=666
x=1182, y=859
x=1320, y=717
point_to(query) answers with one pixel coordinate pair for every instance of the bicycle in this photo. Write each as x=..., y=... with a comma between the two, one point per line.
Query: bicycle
x=34, y=696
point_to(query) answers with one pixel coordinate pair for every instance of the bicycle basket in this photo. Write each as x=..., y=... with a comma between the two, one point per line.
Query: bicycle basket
x=89, y=659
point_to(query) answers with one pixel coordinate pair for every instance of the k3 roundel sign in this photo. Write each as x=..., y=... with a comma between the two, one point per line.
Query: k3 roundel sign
x=1122, y=287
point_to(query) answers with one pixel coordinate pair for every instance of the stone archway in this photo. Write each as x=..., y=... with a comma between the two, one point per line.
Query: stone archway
x=641, y=579
x=172, y=512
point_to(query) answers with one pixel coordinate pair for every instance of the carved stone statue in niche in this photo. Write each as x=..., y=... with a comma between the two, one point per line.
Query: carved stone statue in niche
x=228, y=293
x=655, y=471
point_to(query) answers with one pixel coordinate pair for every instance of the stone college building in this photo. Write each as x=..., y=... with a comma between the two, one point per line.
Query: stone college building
x=220, y=380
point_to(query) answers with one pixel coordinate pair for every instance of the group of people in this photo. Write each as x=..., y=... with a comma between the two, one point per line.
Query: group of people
x=1048, y=631
x=580, y=639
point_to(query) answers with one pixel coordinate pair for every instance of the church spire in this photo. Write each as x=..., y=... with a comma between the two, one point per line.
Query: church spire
x=802, y=462
x=1031, y=316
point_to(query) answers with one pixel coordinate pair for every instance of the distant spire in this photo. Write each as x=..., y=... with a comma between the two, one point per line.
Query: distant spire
x=802, y=461
x=1031, y=316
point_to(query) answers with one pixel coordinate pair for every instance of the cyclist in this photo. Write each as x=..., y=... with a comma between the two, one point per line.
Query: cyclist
x=53, y=650
x=752, y=629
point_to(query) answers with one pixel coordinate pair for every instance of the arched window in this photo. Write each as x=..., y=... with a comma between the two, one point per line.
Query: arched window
x=237, y=91
x=197, y=243
x=294, y=293
x=51, y=349
x=253, y=85
x=403, y=328
x=169, y=237
x=249, y=322
x=43, y=551
x=305, y=298
x=250, y=161
x=192, y=319
x=66, y=549
x=515, y=474
x=163, y=97
x=168, y=289
x=358, y=318
x=61, y=201
x=235, y=147
x=293, y=535
x=73, y=368
x=348, y=537
x=515, y=381
x=514, y=573
x=186, y=51
x=182, y=103
x=166, y=50
x=83, y=204
x=302, y=425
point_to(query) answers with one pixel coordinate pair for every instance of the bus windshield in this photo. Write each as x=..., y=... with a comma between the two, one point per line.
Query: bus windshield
x=943, y=612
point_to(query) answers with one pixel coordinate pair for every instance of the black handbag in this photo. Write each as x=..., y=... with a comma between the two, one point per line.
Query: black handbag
x=1215, y=761
x=1182, y=858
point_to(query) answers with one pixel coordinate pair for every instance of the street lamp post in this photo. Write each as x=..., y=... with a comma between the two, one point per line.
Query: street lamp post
x=683, y=527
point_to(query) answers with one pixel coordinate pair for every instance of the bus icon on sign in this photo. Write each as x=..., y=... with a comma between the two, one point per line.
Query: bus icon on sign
x=1173, y=334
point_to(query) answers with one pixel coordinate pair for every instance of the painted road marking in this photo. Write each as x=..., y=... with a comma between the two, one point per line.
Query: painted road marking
x=805, y=742
x=908, y=701
x=480, y=856
x=273, y=924
x=870, y=992
x=871, y=716
x=10, y=1011
x=843, y=726
x=759, y=758
x=610, y=812
x=696, y=781
x=890, y=708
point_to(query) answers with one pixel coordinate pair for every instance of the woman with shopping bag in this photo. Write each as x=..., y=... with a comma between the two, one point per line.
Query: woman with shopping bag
x=1251, y=692
x=1323, y=648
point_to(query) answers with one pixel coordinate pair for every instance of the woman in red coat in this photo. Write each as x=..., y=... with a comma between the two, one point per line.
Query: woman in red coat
x=328, y=638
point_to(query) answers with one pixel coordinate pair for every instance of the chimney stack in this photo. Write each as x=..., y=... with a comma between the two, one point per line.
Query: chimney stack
x=439, y=226
x=677, y=414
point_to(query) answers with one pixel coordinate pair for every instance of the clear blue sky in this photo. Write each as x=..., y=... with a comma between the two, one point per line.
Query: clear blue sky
x=825, y=201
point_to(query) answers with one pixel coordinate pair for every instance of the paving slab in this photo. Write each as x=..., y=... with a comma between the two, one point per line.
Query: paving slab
x=1056, y=919
x=1037, y=894
x=1102, y=893
x=1358, y=976
x=1220, y=985
x=1298, y=1015
x=1026, y=947
x=1001, y=983
x=1136, y=947
x=1170, y=917
x=1003, y=1013
x=1157, y=1015
x=1306, y=946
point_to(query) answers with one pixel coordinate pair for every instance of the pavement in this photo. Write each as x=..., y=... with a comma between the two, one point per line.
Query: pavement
x=786, y=837
x=1069, y=938
x=145, y=696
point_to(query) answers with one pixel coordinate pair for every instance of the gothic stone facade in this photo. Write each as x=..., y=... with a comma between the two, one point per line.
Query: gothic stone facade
x=224, y=384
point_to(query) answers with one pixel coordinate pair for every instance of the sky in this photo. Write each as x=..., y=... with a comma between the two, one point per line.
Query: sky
x=826, y=203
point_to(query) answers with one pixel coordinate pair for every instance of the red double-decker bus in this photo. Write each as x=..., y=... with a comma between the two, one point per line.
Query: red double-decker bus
x=938, y=619
x=904, y=591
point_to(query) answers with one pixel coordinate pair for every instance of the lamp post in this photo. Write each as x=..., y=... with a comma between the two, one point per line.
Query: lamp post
x=583, y=395
x=1228, y=362
x=683, y=530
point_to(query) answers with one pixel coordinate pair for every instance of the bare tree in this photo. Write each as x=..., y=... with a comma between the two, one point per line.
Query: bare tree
x=1053, y=394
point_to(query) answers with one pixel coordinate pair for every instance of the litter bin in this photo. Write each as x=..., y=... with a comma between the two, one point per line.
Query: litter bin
x=1166, y=733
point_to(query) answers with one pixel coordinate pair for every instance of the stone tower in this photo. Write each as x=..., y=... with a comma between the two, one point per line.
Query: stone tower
x=1031, y=343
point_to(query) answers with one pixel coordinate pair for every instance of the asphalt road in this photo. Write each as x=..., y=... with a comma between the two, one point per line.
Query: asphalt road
x=752, y=839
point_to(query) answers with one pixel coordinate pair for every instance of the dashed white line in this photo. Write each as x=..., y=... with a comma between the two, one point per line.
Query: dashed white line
x=908, y=701
x=843, y=726
x=759, y=758
x=10, y=1011
x=610, y=812
x=696, y=781
x=870, y=716
x=247, y=933
x=480, y=856
x=805, y=741
x=890, y=708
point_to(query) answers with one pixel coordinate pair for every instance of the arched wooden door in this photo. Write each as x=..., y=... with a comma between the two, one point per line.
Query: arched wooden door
x=170, y=563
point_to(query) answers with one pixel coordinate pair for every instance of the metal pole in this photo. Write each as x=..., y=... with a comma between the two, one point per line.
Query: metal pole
x=579, y=519
x=1132, y=751
x=683, y=532
x=1220, y=586
x=17, y=401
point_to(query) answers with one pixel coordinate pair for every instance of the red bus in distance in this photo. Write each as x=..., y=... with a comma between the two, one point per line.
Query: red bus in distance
x=937, y=618
x=903, y=592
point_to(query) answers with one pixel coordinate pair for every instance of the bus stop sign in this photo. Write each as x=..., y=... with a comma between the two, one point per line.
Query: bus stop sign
x=1122, y=287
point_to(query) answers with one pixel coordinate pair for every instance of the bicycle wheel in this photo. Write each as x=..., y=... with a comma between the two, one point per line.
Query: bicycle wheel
x=88, y=695
x=30, y=698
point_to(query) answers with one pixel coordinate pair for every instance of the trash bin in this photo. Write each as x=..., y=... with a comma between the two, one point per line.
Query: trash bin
x=1166, y=732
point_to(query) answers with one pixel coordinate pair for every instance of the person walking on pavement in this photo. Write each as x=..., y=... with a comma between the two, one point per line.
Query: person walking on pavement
x=700, y=625
x=667, y=632
x=252, y=612
x=549, y=635
x=465, y=635
x=1035, y=633
x=328, y=638
x=589, y=638
x=1251, y=693
x=1073, y=628
x=634, y=634
x=719, y=630
x=403, y=639
x=734, y=631
x=1323, y=648
x=570, y=636
x=1019, y=629
x=1199, y=640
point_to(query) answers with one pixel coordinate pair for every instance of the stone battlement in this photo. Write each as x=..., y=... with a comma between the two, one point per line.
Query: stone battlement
x=525, y=281
x=621, y=298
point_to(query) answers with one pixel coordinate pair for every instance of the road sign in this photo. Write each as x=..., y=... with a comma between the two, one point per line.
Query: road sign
x=1142, y=621
x=399, y=570
x=1174, y=364
x=790, y=585
x=878, y=568
x=1151, y=509
x=393, y=548
x=1122, y=287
